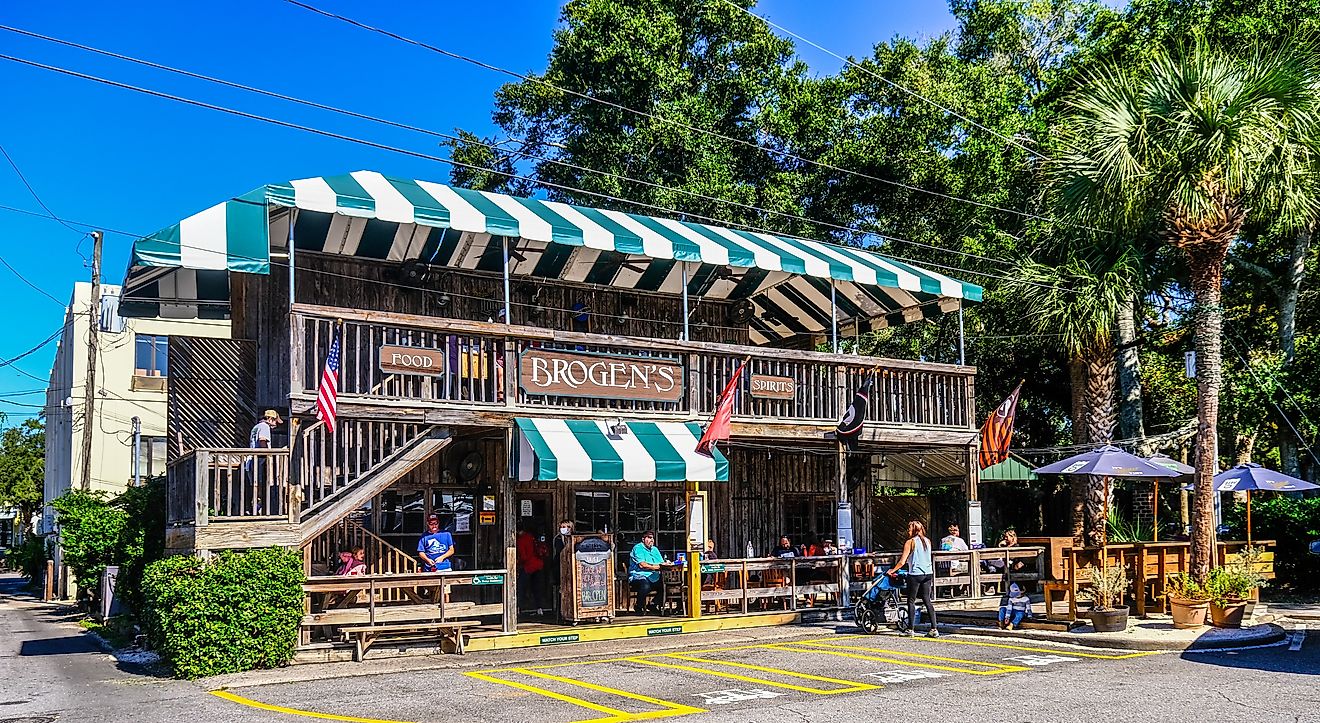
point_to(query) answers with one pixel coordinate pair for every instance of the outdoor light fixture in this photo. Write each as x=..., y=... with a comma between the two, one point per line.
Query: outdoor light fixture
x=617, y=426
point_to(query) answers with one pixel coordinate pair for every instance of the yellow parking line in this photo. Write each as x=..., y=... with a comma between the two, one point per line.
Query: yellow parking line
x=293, y=711
x=905, y=653
x=668, y=708
x=725, y=649
x=1061, y=651
x=840, y=651
x=849, y=686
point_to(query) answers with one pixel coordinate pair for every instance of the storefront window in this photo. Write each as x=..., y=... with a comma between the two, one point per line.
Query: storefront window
x=402, y=519
x=636, y=515
x=455, y=511
x=592, y=512
x=807, y=518
x=671, y=532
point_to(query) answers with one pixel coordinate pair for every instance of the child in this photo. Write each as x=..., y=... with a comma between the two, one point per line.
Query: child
x=1013, y=606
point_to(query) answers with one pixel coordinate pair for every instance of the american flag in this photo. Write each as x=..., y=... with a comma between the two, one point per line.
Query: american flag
x=327, y=394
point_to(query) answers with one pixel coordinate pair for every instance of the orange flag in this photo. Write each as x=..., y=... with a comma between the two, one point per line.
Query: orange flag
x=997, y=431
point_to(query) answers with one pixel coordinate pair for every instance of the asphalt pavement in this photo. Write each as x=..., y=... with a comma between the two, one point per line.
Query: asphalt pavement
x=811, y=673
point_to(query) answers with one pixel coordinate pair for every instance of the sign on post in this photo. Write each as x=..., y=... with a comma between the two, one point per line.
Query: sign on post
x=974, y=523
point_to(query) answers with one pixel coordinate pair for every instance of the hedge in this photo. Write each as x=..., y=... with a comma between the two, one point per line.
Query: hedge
x=237, y=612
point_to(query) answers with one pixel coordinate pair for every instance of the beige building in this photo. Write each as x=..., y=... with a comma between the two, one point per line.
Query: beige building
x=131, y=379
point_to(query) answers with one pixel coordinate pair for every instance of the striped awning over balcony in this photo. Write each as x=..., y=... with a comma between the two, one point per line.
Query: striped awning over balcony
x=786, y=280
x=582, y=450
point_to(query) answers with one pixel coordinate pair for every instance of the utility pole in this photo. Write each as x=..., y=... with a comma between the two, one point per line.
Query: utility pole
x=93, y=340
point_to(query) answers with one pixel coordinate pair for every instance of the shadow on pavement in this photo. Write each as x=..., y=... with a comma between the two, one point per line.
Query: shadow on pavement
x=68, y=645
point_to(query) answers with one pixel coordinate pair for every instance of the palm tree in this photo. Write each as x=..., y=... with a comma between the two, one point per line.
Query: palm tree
x=1079, y=302
x=1195, y=145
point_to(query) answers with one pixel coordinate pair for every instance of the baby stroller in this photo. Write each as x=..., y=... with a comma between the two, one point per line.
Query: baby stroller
x=882, y=604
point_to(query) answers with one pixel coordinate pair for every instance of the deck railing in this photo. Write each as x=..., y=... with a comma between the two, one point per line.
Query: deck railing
x=328, y=463
x=208, y=485
x=477, y=365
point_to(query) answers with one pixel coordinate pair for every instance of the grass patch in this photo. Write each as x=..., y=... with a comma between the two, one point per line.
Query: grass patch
x=118, y=631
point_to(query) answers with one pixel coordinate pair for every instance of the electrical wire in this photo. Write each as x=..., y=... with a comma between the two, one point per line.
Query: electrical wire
x=25, y=280
x=496, y=147
x=50, y=214
x=887, y=81
x=439, y=159
x=679, y=124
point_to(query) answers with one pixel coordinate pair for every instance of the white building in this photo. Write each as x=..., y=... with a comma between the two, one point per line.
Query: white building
x=131, y=378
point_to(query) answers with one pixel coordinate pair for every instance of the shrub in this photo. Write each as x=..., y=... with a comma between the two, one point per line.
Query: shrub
x=30, y=557
x=142, y=540
x=91, y=532
x=1293, y=522
x=237, y=612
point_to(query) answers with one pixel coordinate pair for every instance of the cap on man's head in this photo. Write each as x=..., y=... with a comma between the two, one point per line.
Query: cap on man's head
x=272, y=414
x=433, y=517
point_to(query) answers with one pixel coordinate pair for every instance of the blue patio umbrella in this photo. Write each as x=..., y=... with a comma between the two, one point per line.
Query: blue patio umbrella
x=1251, y=476
x=1178, y=469
x=1107, y=461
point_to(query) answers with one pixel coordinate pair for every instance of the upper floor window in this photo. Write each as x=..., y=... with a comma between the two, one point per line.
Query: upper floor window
x=151, y=354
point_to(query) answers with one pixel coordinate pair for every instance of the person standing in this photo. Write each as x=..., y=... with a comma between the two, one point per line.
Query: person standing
x=264, y=493
x=920, y=577
x=436, y=547
x=531, y=568
x=562, y=541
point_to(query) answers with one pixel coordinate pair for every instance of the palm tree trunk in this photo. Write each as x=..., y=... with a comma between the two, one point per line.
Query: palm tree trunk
x=1207, y=272
x=1131, y=423
x=1101, y=416
x=1077, y=485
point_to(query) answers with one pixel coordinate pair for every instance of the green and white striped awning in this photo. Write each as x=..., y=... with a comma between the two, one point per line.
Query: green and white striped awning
x=787, y=280
x=582, y=450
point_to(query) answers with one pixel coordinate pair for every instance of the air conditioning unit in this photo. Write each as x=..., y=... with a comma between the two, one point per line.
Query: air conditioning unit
x=142, y=383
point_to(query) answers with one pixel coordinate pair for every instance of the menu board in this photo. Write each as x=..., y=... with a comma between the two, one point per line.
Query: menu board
x=589, y=574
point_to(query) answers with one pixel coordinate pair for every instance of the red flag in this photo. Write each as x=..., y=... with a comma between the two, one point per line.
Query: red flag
x=719, y=426
x=997, y=431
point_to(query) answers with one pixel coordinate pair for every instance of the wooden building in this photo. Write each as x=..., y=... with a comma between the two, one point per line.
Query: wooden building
x=508, y=361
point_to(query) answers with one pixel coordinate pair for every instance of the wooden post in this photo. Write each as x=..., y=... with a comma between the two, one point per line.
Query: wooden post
x=202, y=494
x=508, y=529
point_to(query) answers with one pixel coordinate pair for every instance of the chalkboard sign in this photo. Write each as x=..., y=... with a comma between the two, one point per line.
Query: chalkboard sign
x=589, y=572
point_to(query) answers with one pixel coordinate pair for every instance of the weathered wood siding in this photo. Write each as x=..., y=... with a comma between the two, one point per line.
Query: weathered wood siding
x=211, y=395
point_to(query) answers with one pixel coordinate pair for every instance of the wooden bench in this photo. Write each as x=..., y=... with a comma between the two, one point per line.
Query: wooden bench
x=363, y=636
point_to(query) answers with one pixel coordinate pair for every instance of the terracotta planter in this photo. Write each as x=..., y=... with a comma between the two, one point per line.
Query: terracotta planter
x=1228, y=615
x=1109, y=621
x=1188, y=613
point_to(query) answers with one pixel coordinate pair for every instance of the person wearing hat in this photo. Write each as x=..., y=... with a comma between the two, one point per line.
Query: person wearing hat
x=436, y=547
x=1013, y=606
x=259, y=438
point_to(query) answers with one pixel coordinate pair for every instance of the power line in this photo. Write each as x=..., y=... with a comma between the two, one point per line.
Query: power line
x=27, y=212
x=24, y=279
x=887, y=81
x=785, y=155
x=33, y=350
x=33, y=191
x=439, y=159
x=492, y=146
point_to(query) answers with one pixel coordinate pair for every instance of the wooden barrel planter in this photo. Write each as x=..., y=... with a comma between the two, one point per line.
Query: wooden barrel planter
x=1188, y=613
x=1113, y=620
x=1228, y=615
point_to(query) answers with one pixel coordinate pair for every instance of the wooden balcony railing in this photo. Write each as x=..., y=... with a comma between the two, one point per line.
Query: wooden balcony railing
x=218, y=484
x=477, y=366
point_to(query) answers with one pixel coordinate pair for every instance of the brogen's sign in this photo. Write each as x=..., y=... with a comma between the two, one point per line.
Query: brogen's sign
x=570, y=374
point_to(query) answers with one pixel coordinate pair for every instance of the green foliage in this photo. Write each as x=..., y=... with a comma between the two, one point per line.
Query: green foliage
x=1122, y=530
x=30, y=557
x=238, y=612
x=23, y=467
x=91, y=533
x=1185, y=587
x=142, y=540
x=1292, y=523
x=1235, y=580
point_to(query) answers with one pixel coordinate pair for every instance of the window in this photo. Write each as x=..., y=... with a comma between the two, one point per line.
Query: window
x=150, y=354
x=592, y=512
x=456, y=516
x=663, y=512
x=807, y=518
x=403, y=519
x=151, y=460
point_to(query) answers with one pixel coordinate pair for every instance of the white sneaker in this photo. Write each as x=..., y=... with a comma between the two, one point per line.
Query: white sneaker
x=932, y=633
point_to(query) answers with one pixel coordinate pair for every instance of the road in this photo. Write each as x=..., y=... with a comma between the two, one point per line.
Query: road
x=818, y=673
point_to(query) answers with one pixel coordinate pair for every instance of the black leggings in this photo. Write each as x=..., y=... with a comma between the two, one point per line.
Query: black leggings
x=920, y=585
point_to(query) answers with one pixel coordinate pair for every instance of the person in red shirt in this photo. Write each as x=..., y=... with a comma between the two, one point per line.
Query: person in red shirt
x=532, y=555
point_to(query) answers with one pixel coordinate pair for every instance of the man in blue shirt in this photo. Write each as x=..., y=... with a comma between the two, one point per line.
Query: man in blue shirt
x=644, y=573
x=436, y=547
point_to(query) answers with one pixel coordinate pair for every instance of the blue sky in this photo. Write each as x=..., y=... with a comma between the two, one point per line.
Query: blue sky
x=133, y=163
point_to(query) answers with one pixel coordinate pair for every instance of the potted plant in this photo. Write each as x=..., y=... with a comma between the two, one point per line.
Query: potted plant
x=1189, y=603
x=1108, y=586
x=1230, y=588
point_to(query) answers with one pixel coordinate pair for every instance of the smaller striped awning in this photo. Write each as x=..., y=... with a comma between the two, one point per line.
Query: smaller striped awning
x=583, y=450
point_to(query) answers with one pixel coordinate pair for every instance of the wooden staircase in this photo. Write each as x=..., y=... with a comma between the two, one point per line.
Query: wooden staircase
x=340, y=472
